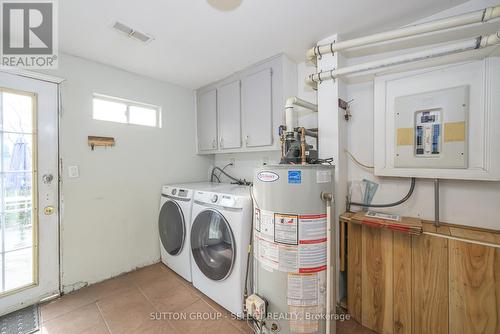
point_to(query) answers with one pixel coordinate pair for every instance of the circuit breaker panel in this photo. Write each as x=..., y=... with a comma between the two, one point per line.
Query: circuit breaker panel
x=431, y=129
x=428, y=133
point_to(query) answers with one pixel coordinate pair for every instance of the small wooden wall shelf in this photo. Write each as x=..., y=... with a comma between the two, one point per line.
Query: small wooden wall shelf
x=100, y=141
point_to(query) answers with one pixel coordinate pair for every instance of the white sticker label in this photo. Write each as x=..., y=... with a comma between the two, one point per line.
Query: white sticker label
x=312, y=257
x=323, y=176
x=302, y=289
x=312, y=228
x=257, y=220
x=268, y=254
x=267, y=225
x=268, y=176
x=286, y=229
x=322, y=291
x=303, y=319
x=288, y=258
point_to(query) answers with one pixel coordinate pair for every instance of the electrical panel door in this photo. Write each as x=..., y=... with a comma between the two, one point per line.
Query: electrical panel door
x=431, y=129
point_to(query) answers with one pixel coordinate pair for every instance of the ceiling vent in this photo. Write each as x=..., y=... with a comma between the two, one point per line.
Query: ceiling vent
x=132, y=33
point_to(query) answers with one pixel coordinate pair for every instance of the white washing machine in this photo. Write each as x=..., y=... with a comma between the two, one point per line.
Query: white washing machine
x=221, y=226
x=174, y=224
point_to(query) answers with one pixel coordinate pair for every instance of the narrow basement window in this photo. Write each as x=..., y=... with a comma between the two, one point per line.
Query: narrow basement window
x=118, y=110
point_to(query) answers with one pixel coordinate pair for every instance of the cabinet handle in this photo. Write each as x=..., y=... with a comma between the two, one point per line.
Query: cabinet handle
x=221, y=142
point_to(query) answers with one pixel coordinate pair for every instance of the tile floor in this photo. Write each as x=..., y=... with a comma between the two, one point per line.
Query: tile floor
x=125, y=304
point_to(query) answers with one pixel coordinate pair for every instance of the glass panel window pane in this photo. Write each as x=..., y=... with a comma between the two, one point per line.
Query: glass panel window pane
x=18, y=229
x=110, y=111
x=17, y=190
x=18, y=269
x=17, y=152
x=16, y=200
x=142, y=116
x=17, y=112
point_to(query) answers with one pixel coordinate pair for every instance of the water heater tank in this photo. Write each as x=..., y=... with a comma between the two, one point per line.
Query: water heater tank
x=290, y=246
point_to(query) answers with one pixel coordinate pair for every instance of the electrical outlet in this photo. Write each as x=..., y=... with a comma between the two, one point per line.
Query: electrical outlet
x=73, y=172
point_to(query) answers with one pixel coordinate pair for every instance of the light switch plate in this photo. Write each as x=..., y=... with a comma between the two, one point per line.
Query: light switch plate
x=73, y=171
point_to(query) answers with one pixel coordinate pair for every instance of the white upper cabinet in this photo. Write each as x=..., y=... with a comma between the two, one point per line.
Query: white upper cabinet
x=242, y=113
x=207, y=121
x=257, y=108
x=229, y=103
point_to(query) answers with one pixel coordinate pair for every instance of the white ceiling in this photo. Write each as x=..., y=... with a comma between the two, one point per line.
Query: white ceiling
x=196, y=44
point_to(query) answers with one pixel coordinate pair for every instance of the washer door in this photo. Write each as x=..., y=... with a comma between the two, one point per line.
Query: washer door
x=172, y=227
x=212, y=245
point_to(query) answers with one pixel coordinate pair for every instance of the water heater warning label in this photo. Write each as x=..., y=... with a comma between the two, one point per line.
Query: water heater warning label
x=306, y=298
x=312, y=228
x=302, y=290
x=290, y=243
x=286, y=229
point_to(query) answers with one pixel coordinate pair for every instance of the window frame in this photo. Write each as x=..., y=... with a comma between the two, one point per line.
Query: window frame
x=128, y=103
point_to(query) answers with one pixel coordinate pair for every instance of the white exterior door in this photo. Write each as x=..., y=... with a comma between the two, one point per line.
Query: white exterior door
x=29, y=187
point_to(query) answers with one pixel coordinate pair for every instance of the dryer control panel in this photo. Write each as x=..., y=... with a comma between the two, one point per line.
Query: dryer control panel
x=218, y=199
x=177, y=193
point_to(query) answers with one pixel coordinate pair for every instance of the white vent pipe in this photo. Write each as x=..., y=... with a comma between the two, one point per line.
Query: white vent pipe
x=482, y=15
x=289, y=115
x=476, y=43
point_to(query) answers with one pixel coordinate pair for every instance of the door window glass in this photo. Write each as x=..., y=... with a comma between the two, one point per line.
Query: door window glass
x=17, y=170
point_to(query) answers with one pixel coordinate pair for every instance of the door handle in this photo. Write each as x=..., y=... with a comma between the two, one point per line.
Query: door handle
x=214, y=143
x=221, y=142
x=48, y=210
x=47, y=178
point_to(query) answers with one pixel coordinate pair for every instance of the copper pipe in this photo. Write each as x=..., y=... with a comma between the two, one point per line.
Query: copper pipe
x=303, y=145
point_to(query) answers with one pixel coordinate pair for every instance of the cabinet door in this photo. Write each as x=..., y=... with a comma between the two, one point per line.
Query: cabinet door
x=257, y=108
x=229, y=104
x=207, y=121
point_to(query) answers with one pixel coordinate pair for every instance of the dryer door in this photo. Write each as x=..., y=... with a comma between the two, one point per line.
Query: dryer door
x=212, y=244
x=172, y=227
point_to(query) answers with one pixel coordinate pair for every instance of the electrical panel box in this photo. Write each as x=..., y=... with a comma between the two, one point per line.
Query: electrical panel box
x=431, y=129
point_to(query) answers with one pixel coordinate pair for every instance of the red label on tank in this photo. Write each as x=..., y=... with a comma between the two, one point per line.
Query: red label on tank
x=311, y=270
